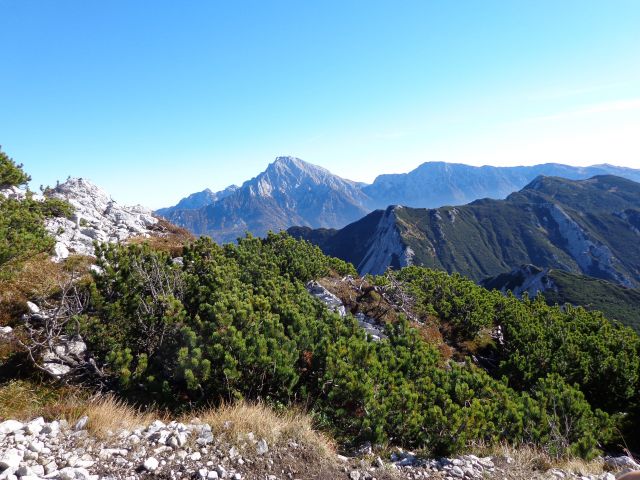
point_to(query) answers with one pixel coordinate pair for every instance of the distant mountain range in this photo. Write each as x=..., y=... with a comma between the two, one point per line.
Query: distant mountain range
x=198, y=200
x=560, y=287
x=436, y=184
x=293, y=192
x=590, y=227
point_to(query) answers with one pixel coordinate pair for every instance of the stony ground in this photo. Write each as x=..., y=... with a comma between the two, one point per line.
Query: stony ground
x=56, y=450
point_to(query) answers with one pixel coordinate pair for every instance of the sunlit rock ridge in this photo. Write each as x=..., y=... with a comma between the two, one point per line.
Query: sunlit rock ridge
x=96, y=217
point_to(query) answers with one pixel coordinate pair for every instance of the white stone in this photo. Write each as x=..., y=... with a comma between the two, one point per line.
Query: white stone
x=10, y=459
x=24, y=471
x=81, y=423
x=51, y=428
x=456, y=471
x=34, y=427
x=10, y=426
x=60, y=252
x=56, y=369
x=82, y=474
x=50, y=467
x=37, y=470
x=262, y=447
x=621, y=462
x=67, y=473
x=36, y=446
x=151, y=464
x=33, y=308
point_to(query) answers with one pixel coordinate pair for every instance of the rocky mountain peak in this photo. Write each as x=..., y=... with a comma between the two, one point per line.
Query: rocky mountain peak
x=295, y=167
x=287, y=175
x=288, y=161
x=97, y=217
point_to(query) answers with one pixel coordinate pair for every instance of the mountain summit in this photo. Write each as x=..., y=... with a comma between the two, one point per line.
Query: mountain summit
x=289, y=192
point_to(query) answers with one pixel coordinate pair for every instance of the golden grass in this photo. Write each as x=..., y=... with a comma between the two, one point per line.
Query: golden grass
x=235, y=421
x=23, y=400
x=37, y=278
x=108, y=415
x=169, y=238
x=530, y=458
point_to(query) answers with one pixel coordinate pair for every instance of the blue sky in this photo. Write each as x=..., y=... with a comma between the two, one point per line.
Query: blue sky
x=157, y=99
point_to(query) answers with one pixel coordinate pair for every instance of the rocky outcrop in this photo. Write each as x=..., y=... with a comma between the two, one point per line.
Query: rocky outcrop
x=386, y=246
x=67, y=354
x=525, y=279
x=13, y=193
x=97, y=217
x=62, y=356
x=333, y=303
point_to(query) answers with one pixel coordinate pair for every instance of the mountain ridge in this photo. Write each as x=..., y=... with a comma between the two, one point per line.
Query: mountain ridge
x=292, y=192
x=583, y=226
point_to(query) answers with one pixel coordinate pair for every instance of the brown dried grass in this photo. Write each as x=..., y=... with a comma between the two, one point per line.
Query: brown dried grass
x=38, y=278
x=24, y=400
x=166, y=237
x=529, y=458
x=235, y=421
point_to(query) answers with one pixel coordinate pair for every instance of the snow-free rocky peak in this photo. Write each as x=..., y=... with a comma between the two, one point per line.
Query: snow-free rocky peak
x=96, y=217
x=288, y=175
x=289, y=192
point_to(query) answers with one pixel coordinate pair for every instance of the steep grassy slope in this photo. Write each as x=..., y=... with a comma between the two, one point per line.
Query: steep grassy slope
x=588, y=227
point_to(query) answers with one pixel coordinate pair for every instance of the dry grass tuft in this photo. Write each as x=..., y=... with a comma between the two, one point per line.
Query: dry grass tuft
x=38, y=278
x=236, y=420
x=108, y=414
x=530, y=458
x=582, y=467
x=168, y=238
x=22, y=400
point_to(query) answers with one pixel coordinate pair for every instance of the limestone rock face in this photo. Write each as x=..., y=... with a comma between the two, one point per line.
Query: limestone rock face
x=13, y=193
x=97, y=217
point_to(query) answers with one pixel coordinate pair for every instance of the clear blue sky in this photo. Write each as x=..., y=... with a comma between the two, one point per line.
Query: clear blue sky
x=156, y=99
